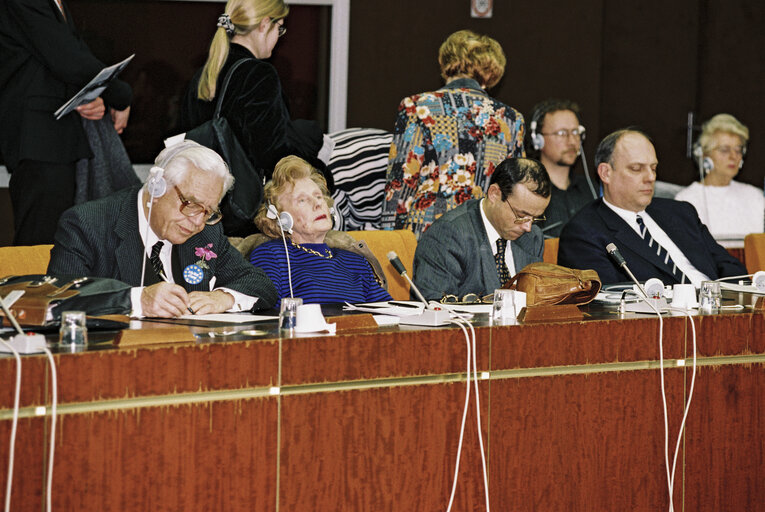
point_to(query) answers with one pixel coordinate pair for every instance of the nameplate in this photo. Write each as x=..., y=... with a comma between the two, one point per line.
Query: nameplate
x=353, y=322
x=153, y=333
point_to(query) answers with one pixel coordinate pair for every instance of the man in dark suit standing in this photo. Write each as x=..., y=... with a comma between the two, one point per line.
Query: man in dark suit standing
x=43, y=63
x=165, y=240
x=658, y=237
x=478, y=246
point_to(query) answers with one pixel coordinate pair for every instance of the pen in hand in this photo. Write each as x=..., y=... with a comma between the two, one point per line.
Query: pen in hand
x=165, y=279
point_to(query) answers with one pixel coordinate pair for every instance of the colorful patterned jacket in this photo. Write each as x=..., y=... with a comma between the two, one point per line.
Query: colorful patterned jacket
x=446, y=144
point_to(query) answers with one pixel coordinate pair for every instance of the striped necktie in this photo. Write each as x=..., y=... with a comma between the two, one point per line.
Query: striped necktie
x=661, y=252
x=499, y=261
x=156, y=263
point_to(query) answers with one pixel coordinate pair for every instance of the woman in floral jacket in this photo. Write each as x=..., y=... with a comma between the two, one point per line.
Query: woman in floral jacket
x=447, y=143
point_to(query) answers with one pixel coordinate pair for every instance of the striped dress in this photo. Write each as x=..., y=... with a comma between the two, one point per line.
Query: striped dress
x=345, y=277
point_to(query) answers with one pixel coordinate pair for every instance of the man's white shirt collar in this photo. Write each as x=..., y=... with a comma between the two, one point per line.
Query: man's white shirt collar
x=663, y=239
x=493, y=236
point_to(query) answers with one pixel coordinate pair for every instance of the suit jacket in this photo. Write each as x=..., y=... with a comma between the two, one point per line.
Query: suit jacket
x=43, y=63
x=584, y=239
x=454, y=255
x=101, y=239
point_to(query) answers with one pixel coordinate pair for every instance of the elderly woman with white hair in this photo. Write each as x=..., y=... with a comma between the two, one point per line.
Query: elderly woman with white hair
x=730, y=209
x=321, y=268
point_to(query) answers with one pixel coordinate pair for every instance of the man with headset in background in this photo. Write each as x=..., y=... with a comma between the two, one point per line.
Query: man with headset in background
x=555, y=138
x=165, y=240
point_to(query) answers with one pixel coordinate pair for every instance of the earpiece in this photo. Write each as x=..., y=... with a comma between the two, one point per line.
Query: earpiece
x=537, y=139
x=654, y=288
x=758, y=280
x=705, y=163
x=708, y=164
x=741, y=163
x=156, y=184
x=284, y=219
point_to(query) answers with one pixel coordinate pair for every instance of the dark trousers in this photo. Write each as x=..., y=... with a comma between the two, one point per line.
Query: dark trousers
x=40, y=192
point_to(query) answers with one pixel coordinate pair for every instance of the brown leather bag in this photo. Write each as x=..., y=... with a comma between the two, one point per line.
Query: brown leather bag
x=546, y=284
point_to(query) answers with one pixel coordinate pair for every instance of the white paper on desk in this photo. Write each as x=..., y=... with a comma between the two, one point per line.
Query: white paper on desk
x=232, y=318
x=384, y=308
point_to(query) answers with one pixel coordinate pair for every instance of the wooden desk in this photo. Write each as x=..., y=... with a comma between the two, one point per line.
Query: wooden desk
x=571, y=420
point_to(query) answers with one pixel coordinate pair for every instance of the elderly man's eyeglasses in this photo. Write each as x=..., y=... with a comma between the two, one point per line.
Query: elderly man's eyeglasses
x=565, y=134
x=527, y=218
x=191, y=209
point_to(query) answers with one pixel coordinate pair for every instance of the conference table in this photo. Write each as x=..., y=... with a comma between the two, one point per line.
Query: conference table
x=241, y=418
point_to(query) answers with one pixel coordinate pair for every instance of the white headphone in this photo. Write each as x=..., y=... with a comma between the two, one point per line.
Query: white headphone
x=705, y=163
x=284, y=219
x=538, y=140
x=156, y=184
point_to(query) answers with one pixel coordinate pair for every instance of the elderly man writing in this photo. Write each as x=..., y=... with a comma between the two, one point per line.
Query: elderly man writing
x=192, y=264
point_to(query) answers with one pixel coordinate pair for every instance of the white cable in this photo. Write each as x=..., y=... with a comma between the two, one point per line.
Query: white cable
x=478, y=417
x=687, y=405
x=461, y=322
x=671, y=472
x=146, y=237
x=54, y=403
x=12, y=448
x=287, y=254
x=462, y=426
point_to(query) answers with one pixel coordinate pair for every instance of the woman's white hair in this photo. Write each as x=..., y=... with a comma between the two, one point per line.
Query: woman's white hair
x=176, y=161
x=722, y=123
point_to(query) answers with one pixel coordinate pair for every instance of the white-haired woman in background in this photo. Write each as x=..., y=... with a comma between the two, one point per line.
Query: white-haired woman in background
x=730, y=209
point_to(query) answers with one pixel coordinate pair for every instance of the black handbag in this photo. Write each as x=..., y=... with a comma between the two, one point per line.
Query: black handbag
x=241, y=203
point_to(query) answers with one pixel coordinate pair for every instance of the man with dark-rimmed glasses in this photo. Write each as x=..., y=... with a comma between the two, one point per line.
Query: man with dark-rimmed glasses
x=478, y=246
x=189, y=264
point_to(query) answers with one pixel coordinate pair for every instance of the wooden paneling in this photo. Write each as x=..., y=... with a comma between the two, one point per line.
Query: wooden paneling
x=571, y=420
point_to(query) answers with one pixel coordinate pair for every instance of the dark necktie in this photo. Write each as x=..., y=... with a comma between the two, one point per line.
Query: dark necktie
x=156, y=263
x=499, y=260
x=661, y=252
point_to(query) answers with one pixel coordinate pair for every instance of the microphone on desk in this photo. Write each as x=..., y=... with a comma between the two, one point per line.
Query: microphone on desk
x=396, y=262
x=429, y=316
x=613, y=251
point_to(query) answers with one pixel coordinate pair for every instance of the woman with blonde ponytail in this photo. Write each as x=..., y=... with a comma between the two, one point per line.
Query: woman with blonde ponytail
x=254, y=103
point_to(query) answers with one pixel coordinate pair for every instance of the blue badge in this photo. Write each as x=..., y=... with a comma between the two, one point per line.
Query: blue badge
x=193, y=274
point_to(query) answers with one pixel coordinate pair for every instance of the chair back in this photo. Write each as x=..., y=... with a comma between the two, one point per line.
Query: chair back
x=24, y=259
x=754, y=252
x=404, y=243
x=550, y=254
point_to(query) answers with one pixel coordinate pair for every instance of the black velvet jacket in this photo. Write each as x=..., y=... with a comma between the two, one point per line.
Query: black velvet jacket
x=256, y=109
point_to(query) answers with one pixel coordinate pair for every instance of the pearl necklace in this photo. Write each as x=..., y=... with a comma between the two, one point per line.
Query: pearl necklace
x=327, y=255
